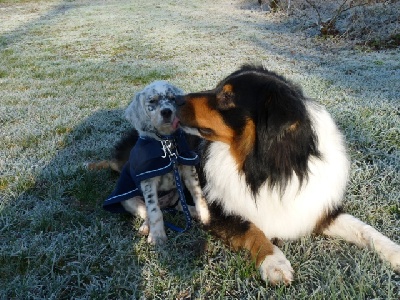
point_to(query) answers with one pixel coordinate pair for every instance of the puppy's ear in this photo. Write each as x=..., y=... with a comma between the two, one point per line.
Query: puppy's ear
x=134, y=112
x=176, y=91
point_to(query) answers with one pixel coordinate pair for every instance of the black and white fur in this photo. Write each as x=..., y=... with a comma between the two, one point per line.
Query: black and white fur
x=152, y=113
x=278, y=161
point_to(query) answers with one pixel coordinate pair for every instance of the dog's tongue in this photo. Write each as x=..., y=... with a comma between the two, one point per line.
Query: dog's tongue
x=175, y=123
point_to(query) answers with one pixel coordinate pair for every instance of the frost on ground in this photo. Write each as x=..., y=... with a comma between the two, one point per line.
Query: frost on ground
x=67, y=71
x=353, y=22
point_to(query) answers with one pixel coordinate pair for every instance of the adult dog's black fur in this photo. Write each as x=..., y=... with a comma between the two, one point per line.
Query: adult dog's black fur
x=276, y=159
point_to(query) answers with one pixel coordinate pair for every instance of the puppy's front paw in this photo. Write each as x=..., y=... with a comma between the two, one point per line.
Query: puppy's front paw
x=276, y=268
x=157, y=237
x=202, y=212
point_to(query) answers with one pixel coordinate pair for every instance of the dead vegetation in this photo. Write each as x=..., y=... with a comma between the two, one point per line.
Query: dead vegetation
x=371, y=23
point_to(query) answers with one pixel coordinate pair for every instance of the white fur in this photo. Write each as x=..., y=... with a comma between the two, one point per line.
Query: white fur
x=144, y=112
x=297, y=211
x=155, y=219
x=276, y=268
x=136, y=207
x=191, y=181
x=353, y=230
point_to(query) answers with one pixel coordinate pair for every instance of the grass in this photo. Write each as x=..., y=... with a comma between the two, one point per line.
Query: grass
x=68, y=70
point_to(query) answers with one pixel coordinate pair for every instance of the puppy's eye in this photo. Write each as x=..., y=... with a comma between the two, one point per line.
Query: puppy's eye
x=206, y=131
x=154, y=99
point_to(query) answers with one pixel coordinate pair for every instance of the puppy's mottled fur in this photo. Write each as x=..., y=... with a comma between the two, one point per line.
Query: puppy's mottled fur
x=152, y=113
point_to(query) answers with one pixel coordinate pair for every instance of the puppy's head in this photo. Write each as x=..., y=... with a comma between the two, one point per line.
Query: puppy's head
x=153, y=110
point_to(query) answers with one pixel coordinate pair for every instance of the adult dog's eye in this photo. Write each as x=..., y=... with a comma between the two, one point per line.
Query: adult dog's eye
x=206, y=131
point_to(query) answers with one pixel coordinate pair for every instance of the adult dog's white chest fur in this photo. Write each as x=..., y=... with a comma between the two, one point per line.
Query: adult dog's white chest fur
x=295, y=211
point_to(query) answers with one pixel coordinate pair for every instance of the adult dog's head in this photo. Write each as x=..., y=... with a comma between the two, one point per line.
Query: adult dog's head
x=264, y=120
x=153, y=110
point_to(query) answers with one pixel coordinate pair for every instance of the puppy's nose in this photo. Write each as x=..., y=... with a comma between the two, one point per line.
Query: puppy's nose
x=179, y=100
x=166, y=113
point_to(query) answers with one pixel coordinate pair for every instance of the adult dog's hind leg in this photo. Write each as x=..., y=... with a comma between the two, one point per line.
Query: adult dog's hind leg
x=191, y=180
x=355, y=231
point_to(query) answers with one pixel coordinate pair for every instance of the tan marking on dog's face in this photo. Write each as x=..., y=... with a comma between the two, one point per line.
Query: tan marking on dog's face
x=198, y=114
x=294, y=126
x=244, y=143
x=227, y=88
x=225, y=97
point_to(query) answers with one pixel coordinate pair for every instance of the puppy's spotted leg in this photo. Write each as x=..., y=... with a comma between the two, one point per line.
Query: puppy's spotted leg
x=157, y=234
x=191, y=180
x=355, y=231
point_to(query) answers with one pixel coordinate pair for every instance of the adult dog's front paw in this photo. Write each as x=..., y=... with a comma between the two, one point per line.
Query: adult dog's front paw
x=203, y=214
x=157, y=237
x=276, y=268
x=394, y=258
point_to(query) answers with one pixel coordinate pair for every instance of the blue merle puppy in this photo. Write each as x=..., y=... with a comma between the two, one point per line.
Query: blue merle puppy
x=147, y=184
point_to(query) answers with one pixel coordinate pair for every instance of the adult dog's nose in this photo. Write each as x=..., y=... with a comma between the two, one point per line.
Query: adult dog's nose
x=166, y=113
x=180, y=100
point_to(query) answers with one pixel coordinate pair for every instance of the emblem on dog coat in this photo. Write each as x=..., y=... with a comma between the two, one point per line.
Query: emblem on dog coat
x=149, y=158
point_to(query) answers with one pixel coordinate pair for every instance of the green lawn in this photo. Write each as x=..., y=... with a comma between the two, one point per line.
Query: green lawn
x=67, y=71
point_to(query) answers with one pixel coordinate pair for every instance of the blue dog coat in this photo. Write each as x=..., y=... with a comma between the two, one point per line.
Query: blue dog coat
x=148, y=158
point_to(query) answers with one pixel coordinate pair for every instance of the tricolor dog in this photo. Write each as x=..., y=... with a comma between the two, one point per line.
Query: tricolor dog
x=274, y=166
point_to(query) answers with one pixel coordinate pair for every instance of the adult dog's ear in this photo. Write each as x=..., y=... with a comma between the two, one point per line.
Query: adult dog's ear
x=285, y=138
x=225, y=98
x=284, y=108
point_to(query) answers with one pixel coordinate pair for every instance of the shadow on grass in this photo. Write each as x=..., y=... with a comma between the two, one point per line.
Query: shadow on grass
x=65, y=245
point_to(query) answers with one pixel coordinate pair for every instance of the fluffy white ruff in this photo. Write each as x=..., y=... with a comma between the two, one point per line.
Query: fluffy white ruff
x=296, y=211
